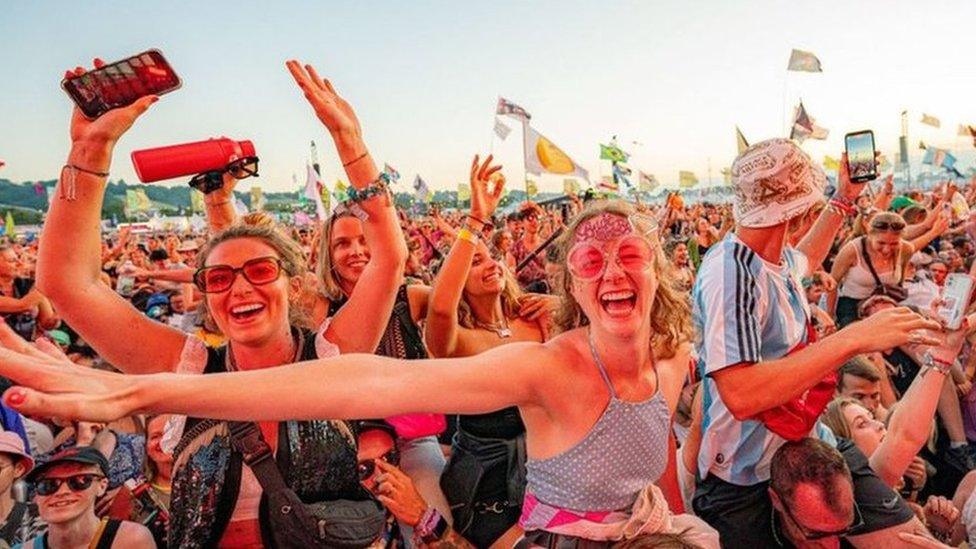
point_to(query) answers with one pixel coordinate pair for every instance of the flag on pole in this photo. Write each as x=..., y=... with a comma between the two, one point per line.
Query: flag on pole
x=391, y=172
x=613, y=153
x=131, y=201
x=196, y=201
x=501, y=130
x=313, y=191
x=606, y=182
x=740, y=141
x=804, y=126
x=340, y=191
x=930, y=120
x=942, y=158
x=543, y=156
x=143, y=200
x=687, y=179
x=570, y=186
x=968, y=131
x=830, y=163
x=463, y=192
x=531, y=188
x=646, y=182
x=507, y=107
x=620, y=173
x=421, y=190
x=257, y=199
x=803, y=61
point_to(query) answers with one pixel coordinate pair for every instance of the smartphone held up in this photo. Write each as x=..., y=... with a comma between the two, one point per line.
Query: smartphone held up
x=861, y=164
x=121, y=83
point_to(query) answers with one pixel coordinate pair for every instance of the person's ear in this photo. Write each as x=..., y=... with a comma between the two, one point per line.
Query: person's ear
x=102, y=486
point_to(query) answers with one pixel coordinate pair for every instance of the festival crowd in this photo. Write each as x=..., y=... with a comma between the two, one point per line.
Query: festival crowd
x=770, y=372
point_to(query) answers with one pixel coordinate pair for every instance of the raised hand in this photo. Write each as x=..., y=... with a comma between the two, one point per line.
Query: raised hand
x=892, y=328
x=105, y=130
x=845, y=187
x=334, y=111
x=486, y=188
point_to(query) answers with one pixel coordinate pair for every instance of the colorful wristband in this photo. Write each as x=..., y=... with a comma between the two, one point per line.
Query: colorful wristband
x=465, y=234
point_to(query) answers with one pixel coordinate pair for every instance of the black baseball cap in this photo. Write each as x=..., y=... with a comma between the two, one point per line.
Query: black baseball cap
x=75, y=454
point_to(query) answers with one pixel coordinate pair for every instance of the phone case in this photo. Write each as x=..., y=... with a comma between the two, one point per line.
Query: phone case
x=955, y=299
x=92, y=110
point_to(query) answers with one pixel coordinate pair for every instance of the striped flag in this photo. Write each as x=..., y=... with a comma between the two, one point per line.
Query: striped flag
x=930, y=120
x=803, y=61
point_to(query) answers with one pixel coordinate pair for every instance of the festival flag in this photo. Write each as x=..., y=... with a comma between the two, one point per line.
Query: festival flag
x=463, y=192
x=803, y=61
x=196, y=201
x=620, y=173
x=144, y=204
x=501, y=130
x=543, y=156
x=131, y=201
x=39, y=189
x=507, y=107
x=804, y=126
x=606, y=182
x=727, y=176
x=613, y=153
x=531, y=188
x=883, y=162
x=831, y=164
x=646, y=182
x=257, y=199
x=687, y=179
x=391, y=172
x=740, y=141
x=340, y=191
x=930, y=120
x=313, y=191
x=421, y=190
x=570, y=186
x=942, y=158
x=8, y=227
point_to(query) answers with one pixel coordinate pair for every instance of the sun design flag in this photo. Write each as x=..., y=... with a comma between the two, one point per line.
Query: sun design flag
x=803, y=61
x=543, y=156
x=507, y=107
x=930, y=120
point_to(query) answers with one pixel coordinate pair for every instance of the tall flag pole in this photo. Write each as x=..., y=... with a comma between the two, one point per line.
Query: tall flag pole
x=506, y=107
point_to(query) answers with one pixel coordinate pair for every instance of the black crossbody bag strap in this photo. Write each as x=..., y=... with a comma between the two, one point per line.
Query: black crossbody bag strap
x=867, y=261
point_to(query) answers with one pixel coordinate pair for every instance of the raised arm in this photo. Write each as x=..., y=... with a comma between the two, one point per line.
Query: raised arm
x=838, y=271
x=326, y=388
x=69, y=258
x=816, y=244
x=442, y=330
x=376, y=289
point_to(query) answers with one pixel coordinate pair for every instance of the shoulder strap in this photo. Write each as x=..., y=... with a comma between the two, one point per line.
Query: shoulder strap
x=867, y=261
x=599, y=365
x=107, y=535
x=257, y=455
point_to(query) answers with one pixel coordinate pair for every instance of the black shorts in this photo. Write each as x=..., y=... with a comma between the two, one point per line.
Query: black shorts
x=743, y=514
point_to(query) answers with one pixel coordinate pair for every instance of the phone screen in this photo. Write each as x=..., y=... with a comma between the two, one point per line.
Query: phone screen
x=121, y=83
x=860, y=155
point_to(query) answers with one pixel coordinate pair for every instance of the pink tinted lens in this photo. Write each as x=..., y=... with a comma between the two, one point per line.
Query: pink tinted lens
x=586, y=262
x=635, y=254
x=217, y=279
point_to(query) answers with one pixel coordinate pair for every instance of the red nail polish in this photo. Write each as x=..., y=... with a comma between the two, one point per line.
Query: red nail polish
x=16, y=396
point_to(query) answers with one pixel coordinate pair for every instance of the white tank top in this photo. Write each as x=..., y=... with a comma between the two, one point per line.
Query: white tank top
x=858, y=283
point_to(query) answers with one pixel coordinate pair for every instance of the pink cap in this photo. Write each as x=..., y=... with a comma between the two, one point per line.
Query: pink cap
x=13, y=445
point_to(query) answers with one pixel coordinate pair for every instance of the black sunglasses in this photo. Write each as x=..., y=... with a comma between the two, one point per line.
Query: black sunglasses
x=77, y=483
x=219, y=278
x=888, y=226
x=812, y=535
x=242, y=168
x=367, y=467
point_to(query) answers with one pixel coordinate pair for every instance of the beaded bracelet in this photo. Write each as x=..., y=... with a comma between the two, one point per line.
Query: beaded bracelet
x=379, y=186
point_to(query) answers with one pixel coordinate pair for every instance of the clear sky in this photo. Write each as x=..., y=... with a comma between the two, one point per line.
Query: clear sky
x=675, y=76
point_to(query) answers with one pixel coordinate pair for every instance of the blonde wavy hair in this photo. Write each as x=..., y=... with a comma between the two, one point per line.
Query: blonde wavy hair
x=671, y=308
x=833, y=416
x=289, y=252
x=510, y=298
x=324, y=270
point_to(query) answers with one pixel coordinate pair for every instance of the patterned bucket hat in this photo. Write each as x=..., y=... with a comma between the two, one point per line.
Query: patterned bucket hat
x=774, y=181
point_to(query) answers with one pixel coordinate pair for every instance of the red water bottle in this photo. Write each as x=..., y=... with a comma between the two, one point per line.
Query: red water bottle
x=188, y=158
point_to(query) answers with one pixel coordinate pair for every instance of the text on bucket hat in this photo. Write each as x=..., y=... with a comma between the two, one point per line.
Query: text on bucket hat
x=774, y=181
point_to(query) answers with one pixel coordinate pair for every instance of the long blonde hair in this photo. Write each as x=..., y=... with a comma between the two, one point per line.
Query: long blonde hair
x=325, y=270
x=510, y=297
x=833, y=416
x=671, y=309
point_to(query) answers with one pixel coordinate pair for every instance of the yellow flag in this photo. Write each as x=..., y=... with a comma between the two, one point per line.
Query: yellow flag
x=570, y=186
x=257, y=199
x=142, y=200
x=831, y=164
x=687, y=179
x=196, y=201
x=531, y=189
x=463, y=192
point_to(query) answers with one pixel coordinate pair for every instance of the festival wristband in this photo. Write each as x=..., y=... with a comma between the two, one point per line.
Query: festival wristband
x=431, y=527
x=841, y=207
x=465, y=234
x=482, y=221
x=354, y=160
x=68, y=190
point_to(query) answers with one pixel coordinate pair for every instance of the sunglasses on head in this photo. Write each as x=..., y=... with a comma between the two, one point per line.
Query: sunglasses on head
x=888, y=226
x=76, y=483
x=367, y=467
x=219, y=278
